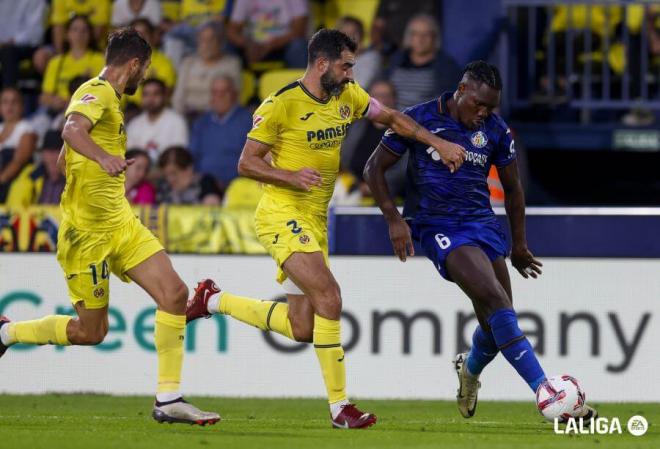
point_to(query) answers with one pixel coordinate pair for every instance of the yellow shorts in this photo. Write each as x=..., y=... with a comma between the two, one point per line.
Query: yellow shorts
x=88, y=258
x=284, y=231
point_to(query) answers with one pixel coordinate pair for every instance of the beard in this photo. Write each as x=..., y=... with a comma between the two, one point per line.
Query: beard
x=131, y=87
x=331, y=85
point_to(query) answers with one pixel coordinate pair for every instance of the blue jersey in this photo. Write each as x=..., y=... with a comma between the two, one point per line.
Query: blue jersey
x=434, y=193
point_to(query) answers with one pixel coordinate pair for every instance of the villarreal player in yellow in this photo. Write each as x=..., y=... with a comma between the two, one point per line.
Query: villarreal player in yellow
x=302, y=126
x=99, y=233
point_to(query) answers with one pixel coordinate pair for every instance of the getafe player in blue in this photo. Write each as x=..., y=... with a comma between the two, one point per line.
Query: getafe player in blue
x=450, y=215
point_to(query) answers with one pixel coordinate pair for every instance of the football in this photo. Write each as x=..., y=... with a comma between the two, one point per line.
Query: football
x=560, y=397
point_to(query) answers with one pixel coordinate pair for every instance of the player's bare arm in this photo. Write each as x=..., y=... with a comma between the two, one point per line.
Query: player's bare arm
x=252, y=164
x=521, y=257
x=451, y=154
x=374, y=174
x=76, y=134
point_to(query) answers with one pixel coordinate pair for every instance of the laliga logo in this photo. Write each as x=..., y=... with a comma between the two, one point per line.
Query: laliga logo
x=637, y=426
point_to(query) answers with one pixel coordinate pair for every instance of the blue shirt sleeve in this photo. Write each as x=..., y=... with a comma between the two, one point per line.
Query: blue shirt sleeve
x=505, y=151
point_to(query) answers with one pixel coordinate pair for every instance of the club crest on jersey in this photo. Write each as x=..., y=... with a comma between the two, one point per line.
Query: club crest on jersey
x=256, y=120
x=304, y=239
x=479, y=139
x=87, y=98
x=344, y=111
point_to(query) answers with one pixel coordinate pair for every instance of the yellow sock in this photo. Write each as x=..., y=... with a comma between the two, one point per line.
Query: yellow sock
x=168, y=337
x=266, y=315
x=49, y=330
x=327, y=344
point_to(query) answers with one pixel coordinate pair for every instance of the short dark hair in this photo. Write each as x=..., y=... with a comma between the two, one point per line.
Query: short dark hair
x=155, y=81
x=176, y=155
x=124, y=45
x=136, y=152
x=329, y=43
x=353, y=20
x=143, y=21
x=483, y=72
x=91, y=45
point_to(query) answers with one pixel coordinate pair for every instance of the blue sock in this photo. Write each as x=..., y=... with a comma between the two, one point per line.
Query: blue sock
x=515, y=346
x=484, y=349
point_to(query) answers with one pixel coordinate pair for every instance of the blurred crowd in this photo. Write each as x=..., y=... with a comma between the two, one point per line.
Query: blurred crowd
x=211, y=60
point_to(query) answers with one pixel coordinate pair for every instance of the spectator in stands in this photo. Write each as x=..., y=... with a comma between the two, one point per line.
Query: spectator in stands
x=159, y=126
x=21, y=31
x=126, y=11
x=192, y=92
x=161, y=66
x=17, y=139
x=218, y=136
x=181, y=184
x=270, y=30
x=368, y=62
x=363, y=138
x=42, y=184
x=97, y=12
x=79, y=59
x=138, y=188
x=421, y=71
x=181, y=38
x=393, y=16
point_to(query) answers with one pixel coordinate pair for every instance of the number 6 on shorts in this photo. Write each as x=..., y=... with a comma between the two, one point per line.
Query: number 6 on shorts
x=443, y=241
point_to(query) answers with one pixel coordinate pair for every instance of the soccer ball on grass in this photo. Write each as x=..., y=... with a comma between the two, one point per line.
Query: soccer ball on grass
x=560, y=397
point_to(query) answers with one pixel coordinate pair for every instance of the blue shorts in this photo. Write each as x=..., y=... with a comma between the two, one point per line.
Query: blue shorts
x=441, y=238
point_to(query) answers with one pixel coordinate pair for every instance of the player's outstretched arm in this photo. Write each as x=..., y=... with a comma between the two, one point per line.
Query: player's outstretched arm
x=451, y=154
x=76, y=135
x=253, y=165
x=374, y=174
x=514, y=202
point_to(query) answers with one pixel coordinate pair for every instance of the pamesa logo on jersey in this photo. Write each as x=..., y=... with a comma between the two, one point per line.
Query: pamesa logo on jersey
x=479, y=139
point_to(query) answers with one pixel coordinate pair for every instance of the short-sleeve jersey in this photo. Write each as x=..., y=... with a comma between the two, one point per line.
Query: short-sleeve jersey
x=61, y=69
x=435, y=193
x=92, y=199
x=98, y=11
x=304, y=131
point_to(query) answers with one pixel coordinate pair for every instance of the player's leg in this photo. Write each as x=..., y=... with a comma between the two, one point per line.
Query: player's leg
x=89, y=328
x=502, y=274
x=484, y=348
x=309, y=271
x=83, y=259
x=471, y=269
x=293, y=319
x=158, y=278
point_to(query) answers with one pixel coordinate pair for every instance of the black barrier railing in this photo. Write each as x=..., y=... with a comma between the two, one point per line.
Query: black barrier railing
x=586, y=54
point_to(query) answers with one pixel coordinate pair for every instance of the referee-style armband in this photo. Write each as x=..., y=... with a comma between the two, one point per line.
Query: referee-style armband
x=375, y=107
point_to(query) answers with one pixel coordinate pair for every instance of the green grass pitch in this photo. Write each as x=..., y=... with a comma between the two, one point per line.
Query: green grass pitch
x=98, y=421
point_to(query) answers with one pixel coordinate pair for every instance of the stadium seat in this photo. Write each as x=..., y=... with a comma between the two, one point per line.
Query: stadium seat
x=249, y=84
x=365, y=10
x=274, y=80
x=242, y=193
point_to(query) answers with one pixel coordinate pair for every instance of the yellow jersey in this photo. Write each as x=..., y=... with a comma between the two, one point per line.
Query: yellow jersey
x=92, y=199
x=62, y=69
x=306, y=132
x=98, y=11
x=195, y=12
